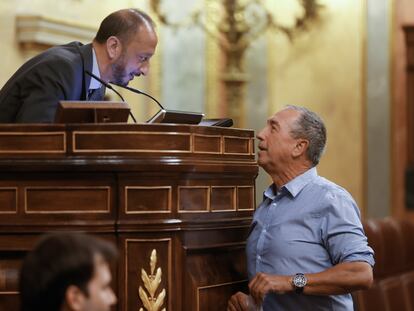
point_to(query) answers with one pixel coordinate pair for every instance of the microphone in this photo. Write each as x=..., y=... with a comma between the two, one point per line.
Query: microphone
x=140, y=92
x=111, y=88
x=164, y=115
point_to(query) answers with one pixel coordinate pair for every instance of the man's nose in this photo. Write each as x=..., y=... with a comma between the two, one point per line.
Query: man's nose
x=259, y=135
x=144, y=69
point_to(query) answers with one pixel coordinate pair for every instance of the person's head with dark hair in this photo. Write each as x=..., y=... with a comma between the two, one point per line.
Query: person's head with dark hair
x=68, y=272
x=123, y=24
x=124, y=44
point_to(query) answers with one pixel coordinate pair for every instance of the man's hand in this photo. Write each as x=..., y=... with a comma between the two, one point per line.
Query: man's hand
x=238, y=302
x=263, y=283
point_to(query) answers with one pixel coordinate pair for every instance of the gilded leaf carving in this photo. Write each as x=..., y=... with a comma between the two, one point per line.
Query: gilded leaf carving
x=150, y=301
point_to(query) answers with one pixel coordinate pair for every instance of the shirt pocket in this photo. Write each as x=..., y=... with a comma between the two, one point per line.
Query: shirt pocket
x=301, y=236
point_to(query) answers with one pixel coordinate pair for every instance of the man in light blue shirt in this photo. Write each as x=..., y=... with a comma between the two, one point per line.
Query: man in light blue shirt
x=306, y=248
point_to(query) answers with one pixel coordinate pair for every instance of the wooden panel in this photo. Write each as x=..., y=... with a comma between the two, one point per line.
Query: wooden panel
x=214, y=273
x=8, y=200
x=9, y=301
x=408, y=112
x=409, y=39
x=393, y=292
x=215, y=297
x=410, y=116
x=130, y=142
x=32, y=142
x=409, y=188
x=67, y=200
x=216, y=237
x=207, y=144
x=193, y=199
x=10, y=263
x=223, y=198
x=245, y=198
x=138, y=255
x=236, y=145
x=133, y=198
x=140, y=199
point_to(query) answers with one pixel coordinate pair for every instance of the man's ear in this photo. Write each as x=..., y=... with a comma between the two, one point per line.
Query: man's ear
x=300, y=147
x=74, y=298
x=113, y=47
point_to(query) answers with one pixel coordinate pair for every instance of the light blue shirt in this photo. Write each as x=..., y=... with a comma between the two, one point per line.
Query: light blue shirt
x=95, y=84
x=308, y=226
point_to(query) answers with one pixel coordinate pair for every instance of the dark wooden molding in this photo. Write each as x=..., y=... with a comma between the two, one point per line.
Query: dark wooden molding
x=186, y=192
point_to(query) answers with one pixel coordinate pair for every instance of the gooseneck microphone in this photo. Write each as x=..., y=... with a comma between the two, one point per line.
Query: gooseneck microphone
x=164, y=115
x=111, y=88
x=140, y=92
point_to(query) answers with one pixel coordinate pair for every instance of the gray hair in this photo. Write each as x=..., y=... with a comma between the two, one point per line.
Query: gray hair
x=310, y=127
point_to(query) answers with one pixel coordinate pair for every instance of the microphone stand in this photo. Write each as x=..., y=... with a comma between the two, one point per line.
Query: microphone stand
x=140, y=92
x=111, y=88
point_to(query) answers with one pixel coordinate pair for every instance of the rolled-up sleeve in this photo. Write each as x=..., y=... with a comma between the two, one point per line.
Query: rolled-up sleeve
x=342, y=231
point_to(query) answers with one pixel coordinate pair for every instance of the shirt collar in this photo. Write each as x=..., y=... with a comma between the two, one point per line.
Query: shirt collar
x=299, y=182
x=270, y=192
x=95, y=84
x=294, y=186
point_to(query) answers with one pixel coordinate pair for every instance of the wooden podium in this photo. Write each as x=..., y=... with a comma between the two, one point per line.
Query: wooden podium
x=183, y=194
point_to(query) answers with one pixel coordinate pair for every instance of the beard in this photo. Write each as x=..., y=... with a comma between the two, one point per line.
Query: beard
x=119, y=71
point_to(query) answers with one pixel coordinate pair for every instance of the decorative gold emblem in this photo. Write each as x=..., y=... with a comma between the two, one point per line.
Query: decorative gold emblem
x=151, y=283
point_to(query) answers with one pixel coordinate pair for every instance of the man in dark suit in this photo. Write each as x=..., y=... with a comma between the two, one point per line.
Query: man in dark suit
x=121, y=50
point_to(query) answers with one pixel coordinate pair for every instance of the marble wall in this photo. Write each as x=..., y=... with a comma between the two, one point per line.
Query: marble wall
x=324, y=71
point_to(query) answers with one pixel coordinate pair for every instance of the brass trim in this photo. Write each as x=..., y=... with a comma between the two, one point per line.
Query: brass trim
x=247, y=162
x=214, y=285
x=17, y=200
x=68, y=188
x=237, y=137
x=148, y=187
x=253, y=199
x=75, y=150
x=9, y=293
x=240, y=138
x=234, y=188
x=194, y=211
x=209, y=152
x=18, y=151
x=169, y=264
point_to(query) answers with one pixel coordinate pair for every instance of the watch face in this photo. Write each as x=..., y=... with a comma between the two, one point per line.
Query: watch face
x=299, y=280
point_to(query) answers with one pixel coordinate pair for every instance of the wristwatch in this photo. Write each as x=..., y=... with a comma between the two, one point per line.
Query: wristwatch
x=299, y=281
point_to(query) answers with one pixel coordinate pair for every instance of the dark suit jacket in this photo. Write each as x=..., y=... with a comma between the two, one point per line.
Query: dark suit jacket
x=32, y=94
